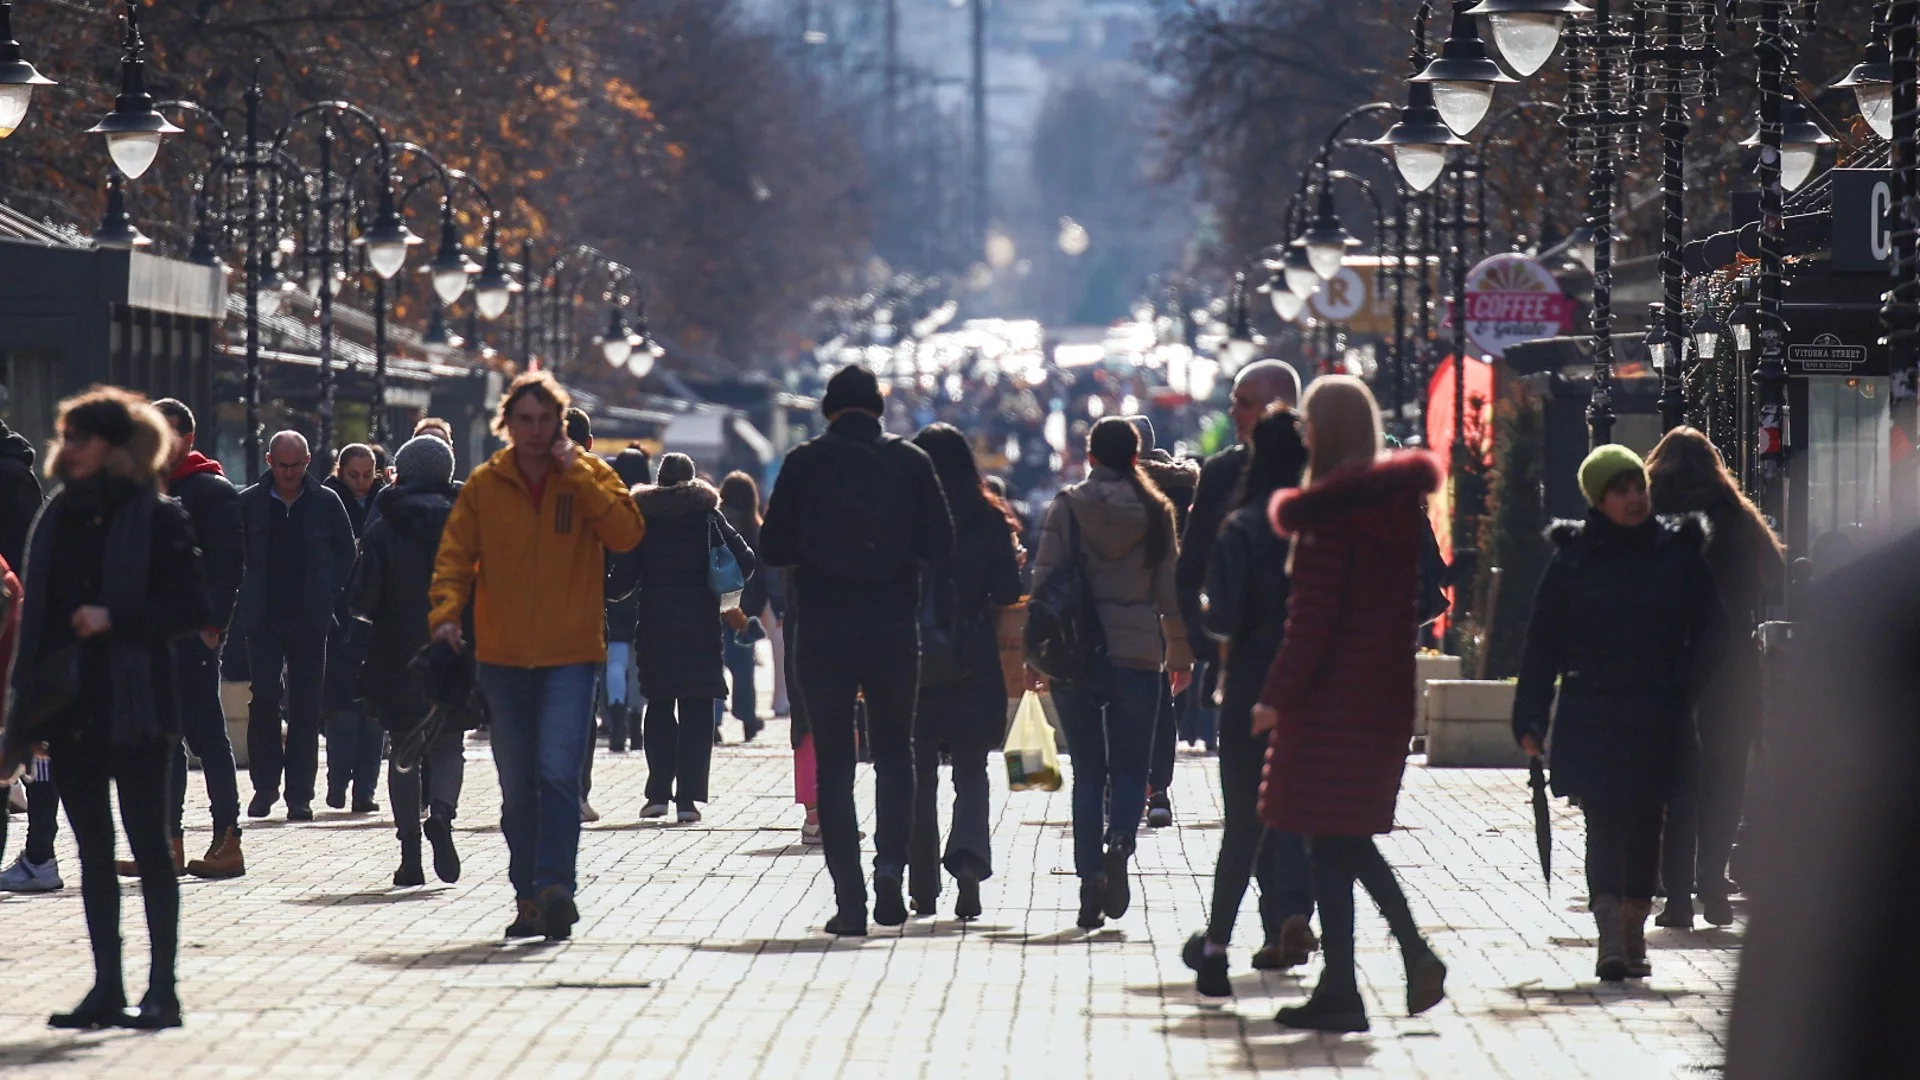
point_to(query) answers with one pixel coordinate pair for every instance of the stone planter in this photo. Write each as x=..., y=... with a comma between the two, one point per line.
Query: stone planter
x=1427, y=669
x=1470, y=725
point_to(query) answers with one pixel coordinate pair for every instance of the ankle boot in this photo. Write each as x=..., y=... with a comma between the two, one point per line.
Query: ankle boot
x=159, y=1008
x=1426, y=979
x=223, y=858
x=1633, y=934
x=617, y=729
x=1335, y=1006
x=1093, y=903
x=409, y=873
x=104, y=1006
x=130, y=869
x=1611, y=965
x=439, y=831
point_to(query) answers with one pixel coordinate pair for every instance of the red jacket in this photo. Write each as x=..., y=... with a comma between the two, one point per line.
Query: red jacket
x=1343, y=680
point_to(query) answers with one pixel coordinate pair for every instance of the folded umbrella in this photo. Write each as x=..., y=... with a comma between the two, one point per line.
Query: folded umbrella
x=1542, y=817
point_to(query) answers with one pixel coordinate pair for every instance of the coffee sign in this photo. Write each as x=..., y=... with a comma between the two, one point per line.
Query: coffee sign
x=1511, y=299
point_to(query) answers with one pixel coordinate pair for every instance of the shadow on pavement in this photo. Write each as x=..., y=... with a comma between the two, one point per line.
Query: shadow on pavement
x=468, y=955
x=1252, y=984
x=357, y=899
x=778, y=946
x=1271, y=1048
x=1597, y=993
x=53, y=1049
x=1073, y=935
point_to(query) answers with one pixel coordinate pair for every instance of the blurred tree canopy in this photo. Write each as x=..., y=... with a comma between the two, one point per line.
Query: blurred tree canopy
x=670, y=133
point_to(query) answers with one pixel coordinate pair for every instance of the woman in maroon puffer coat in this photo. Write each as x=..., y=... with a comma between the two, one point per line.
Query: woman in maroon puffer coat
x=1339, y=698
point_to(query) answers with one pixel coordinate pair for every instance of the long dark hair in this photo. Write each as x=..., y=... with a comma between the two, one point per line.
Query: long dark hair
x=1278, y=458
x=741, y=495
x=1115, y=443
x=959, y=473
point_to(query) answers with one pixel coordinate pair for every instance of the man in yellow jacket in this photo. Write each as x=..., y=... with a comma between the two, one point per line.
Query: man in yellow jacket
x=527, y=543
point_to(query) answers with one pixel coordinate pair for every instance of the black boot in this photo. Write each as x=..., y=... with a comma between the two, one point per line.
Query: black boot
x=1426, y=979
x=102, y=1007
x=1210, y=970
x=409, y=873
x=159, y=1008
x=889, y=909
x=1093, y=903
x=1611, y=964
x=1119, y=894
x=439, y=830
x=1331, y=1008
x=968, y=905
x=616, y=729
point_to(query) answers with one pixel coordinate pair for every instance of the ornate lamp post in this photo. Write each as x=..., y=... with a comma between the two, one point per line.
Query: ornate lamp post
x=17, y=76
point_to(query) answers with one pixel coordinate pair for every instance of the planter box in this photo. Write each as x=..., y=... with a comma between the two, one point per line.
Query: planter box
x=1428, y=669
x=1470, y=725
x=234, y=697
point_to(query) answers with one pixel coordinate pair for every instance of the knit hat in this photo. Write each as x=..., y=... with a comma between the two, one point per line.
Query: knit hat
x=1605, y=465
x=853, y=387
x=425, y=459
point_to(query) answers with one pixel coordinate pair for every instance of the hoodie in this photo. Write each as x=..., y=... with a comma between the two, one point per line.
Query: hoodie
x=1139, y=609
x=200, y=485
x=20, y=495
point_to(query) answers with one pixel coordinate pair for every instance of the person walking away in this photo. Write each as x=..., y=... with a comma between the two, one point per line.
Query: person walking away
x=1246, y=611
x=856, y=512
x=526, y=544
x=354, y=739
x=299, y=551
x=1338, y=700
x=20, y=495
x=113, y=579
x=199, y=484
x=1257, y=386
x=624, y=704
x=677, y=638
x=1685, y=475
x=578, y=427
x=1628, y=621
x=740, y=504
x=1175, y=478
x=963, y=708
x=1126, y=530
x=389, y=594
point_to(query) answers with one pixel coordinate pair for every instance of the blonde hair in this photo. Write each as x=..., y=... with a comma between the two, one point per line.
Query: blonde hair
x=1344, y=425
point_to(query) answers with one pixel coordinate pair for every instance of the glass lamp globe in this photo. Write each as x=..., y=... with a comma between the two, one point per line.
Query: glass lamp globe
x=1743, y=336
x=387, y=257
x=1462, y=105
x=1420, y=164
x=1657, y=352
x=1326, y=258
x=1526, y=39
x=1286, y=303
x=1302, y=280
x=133, y=152
x=449, y=282
x=640, y=364
x=1706, y=343
x=14, y=99
x=617, y=349
x=1876, y=105
x=1238, y=354
x=1796, y=164
x=492, y=300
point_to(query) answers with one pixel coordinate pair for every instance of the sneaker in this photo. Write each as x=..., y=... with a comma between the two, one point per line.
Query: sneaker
x=810, y=832
x=654, y=810
x=588, y=815
x=25, y=876
x=1159, y=810
x=688, y=815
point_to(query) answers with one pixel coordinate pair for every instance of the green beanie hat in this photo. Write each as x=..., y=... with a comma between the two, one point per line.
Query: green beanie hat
x=1603, y=466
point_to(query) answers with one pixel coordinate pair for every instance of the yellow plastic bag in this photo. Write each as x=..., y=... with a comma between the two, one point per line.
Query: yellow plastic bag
x=1032, y=761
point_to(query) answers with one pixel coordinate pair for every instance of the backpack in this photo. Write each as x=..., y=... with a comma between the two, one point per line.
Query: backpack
x=1064, y=638
x=858, y=515
x=943, y=633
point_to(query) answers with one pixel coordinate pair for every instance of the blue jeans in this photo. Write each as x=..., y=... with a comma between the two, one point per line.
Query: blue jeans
x=1109, y=723
x=542, y=719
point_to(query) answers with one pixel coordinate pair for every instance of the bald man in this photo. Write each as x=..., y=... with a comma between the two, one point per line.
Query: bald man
x=299, y=552
x=1257, y=386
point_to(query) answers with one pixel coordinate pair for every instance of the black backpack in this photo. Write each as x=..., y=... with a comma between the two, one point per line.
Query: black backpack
x=943, y=632
x=858, y=517
x=1064, y=638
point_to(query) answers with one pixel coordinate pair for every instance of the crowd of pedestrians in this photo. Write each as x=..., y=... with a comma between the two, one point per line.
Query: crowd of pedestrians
x=1265, y=601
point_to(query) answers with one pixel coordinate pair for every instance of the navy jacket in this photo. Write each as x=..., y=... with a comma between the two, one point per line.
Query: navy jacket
x=330, y=552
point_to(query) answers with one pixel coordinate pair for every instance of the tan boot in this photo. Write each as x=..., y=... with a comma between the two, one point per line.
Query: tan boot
x=1633, y=933
x=130, y=868
x=223, y=858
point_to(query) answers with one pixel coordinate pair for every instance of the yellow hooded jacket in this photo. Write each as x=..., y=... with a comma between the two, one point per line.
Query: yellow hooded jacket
x=536, y=575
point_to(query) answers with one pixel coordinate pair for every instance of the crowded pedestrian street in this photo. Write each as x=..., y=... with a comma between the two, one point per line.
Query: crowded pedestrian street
x=699, y=955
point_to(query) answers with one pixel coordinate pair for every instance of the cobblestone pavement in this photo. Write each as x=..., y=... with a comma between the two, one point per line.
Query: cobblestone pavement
x=699, y=955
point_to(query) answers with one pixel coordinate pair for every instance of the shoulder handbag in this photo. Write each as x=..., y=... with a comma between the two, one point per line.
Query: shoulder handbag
x=724, y=575
x=1064, y=638
x=943, y=633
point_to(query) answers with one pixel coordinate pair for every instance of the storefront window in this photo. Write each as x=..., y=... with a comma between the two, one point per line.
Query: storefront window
x=1847, y=456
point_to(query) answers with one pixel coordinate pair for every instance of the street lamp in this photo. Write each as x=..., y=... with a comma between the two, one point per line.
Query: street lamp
x=1464, y=76
x=1871, y=80
x=1327, y=240
x=450, y=267
x=616, y=345
x=387, y=239
x=134, y=127
x=1243, y=346
x=1527, y=31
x=117, y=229
x=17, y=77
x=493, y=289
x=1419, y=139
x=1706, y=333
x=1800, y=142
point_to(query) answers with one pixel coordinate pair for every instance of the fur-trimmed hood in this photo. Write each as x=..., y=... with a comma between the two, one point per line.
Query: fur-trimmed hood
x=677, y=500
x=143, y=460
x=1404, y=476
x=1175, y=477
x=1692, y=530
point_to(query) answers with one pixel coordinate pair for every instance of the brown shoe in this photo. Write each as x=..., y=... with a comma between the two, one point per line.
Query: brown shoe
x=223, y=858
x=130, y=868
x=526, y=920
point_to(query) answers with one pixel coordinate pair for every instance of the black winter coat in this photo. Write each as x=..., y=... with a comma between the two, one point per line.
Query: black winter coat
x=1212, y=503
x=1630, y=622
x=825, y=595
x=1246, y=609
x=329, y=552
x=985, y=576
x=387, y=596
x=20, y=496
x=677, y=618
x=357, y=512
x=214, y=505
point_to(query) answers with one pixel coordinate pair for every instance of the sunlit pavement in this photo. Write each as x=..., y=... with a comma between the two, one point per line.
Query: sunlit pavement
x=699, y=955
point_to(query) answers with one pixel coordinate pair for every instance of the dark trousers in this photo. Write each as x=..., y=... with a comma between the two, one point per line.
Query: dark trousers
x=679, y=744
x=1338, y=862
x=288, y=663
x=969, y=848
x=354, y=744
x=203, y=727
x=1623, y=848
x=1166, y=739
x=43, y=819
x=837, y=661
x=437, y=778
x=1248, y=849
x=740, y=665
x=542, y=723
x=1702, y=823
x=1109, y=722
x=1199, y=719
x=85, y=771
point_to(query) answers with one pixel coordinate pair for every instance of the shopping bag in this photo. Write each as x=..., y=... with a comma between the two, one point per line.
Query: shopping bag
x=1033, y=763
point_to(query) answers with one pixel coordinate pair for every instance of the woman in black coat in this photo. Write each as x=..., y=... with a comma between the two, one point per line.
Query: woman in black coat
x=1246, y=611
x=634, y=467
x=677, y=630
x=112, y=580
x=966, y=712
x=388, y=595
x=1686, y=476
x=1626, y=620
